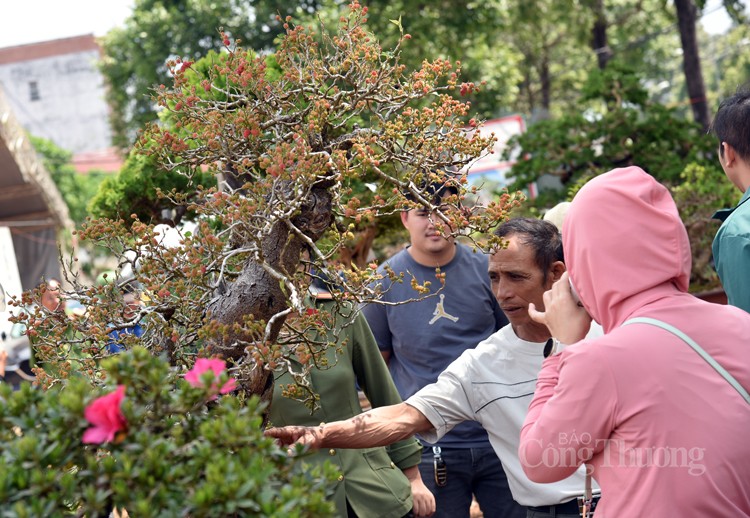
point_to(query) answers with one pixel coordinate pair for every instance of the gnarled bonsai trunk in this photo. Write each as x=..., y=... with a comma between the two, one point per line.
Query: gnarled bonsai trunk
x=256, y=292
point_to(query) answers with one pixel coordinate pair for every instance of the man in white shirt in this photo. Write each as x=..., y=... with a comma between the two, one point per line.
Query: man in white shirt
x=492, y=384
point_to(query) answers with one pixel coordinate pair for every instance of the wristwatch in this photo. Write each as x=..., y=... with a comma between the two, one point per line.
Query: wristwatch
x=553, y=346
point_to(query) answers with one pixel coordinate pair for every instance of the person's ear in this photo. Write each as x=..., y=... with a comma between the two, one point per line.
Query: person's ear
x=404, y=217
x=556, y=270
x=729, y=154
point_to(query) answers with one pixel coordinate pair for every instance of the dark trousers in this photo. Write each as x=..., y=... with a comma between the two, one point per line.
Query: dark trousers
x=470, y=471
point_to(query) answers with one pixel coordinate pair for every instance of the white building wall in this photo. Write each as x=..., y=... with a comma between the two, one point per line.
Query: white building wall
x=70, y=109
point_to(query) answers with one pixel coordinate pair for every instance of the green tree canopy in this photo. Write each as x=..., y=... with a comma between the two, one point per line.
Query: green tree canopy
x=615, y=125
x=533, y=57
x=76, y=189
x=137, y=190
x=135, y=55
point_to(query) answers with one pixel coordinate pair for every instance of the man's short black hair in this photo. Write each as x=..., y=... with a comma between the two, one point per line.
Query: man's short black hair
x=129, y=285
x=731, y=123
x=542, y=236
x=434, y=191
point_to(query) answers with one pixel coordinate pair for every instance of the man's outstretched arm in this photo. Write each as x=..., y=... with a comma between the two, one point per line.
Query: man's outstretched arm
x=377, y=427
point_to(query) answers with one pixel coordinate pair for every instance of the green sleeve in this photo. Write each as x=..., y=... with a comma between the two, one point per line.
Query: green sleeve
x=375, y=380
x=733, y=267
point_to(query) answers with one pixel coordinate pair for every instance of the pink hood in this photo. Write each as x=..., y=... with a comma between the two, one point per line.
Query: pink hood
x=635, y=261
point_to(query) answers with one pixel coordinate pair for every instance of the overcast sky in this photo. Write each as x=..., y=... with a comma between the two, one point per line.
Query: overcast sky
x=30, y=21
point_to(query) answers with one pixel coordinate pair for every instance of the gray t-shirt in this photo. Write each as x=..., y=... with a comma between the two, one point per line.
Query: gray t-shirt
x=426, y=336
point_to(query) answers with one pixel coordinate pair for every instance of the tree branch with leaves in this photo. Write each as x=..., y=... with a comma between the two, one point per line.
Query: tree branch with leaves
x=288, y=137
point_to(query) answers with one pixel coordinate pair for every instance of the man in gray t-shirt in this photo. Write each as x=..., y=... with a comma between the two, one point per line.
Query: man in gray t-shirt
x=420, y=339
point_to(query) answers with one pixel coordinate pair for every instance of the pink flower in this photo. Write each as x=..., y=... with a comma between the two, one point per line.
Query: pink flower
x=105, y=417
x=195, y=375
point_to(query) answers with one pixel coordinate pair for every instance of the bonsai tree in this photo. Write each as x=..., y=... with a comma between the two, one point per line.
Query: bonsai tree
x=283, y=158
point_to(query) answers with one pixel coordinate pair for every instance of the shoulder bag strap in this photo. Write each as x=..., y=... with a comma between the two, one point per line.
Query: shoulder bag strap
x=697, y=348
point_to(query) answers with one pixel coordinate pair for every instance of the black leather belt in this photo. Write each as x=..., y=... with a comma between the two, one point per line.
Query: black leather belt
x=570, y=507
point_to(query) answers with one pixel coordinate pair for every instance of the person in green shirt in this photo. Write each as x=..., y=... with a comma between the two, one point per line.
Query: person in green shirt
x=731, y=246
x=379, y=482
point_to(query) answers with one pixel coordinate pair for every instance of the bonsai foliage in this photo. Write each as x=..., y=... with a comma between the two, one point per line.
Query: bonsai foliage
x=290, y=140
x=149, y=442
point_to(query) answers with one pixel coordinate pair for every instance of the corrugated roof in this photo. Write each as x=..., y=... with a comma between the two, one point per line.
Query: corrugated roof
x=30, y=204
x=26, y=185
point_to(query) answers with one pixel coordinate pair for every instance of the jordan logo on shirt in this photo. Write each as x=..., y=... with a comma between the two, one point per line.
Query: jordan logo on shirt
x=440, y=312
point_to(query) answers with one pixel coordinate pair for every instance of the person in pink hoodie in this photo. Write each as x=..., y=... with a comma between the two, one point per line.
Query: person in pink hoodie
x=661, y=431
